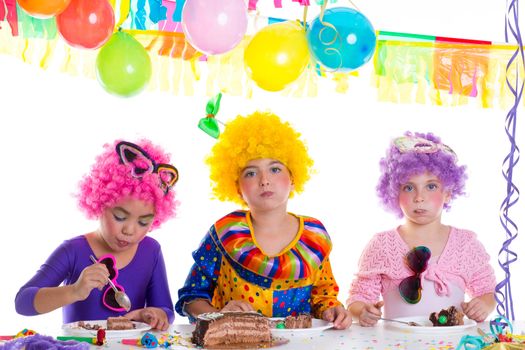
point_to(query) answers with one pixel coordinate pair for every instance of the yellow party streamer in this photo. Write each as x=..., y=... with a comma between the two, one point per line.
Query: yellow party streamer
x=404, y=72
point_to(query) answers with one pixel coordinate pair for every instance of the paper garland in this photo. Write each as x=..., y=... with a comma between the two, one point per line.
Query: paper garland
x=408, y=68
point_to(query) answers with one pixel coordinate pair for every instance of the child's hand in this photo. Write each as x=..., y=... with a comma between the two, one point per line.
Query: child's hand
x=370, y=314
x=237, y=305
x=153, y=316
x=478, y=308
x=341, y=318
x=93, y=276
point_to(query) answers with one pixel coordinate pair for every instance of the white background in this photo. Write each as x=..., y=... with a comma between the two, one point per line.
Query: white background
x=53, y=125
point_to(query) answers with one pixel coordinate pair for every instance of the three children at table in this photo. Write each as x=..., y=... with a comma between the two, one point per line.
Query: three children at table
x=265, y=259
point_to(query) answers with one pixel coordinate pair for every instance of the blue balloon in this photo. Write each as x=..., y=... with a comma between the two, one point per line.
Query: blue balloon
x=343, y=41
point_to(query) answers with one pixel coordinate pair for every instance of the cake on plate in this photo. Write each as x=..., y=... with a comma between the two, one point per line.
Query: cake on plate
x=119, y=323
x=447, y=317
x=300, y=321
x=216, y=328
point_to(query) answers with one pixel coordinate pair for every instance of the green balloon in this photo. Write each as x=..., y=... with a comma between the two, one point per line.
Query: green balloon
x=123, y=65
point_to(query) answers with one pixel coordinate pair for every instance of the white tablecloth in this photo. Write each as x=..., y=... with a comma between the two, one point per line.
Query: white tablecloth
x=382, y=336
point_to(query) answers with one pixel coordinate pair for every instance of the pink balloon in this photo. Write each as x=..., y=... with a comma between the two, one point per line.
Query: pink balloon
x=214, y=27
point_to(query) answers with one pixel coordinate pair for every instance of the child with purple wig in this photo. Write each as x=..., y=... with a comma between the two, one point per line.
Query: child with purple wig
x=422, y=266
x=129, y=190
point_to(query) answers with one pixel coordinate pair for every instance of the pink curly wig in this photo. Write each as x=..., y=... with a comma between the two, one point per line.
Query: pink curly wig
x=110, y=181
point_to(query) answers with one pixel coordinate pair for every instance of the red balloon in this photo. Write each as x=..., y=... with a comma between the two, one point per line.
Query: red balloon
x=86, y=24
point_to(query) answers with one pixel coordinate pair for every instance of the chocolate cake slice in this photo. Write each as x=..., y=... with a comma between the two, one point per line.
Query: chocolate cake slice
x=300, y=321
x=119, y=323
x=447, y=317
x=217, y=328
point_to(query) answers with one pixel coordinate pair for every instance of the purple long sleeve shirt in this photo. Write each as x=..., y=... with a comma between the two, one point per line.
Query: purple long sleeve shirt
x=144, y=280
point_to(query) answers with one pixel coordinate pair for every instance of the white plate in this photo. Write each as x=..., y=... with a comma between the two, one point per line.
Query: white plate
x=73, y=329
x=427, y=325
x=317, y=327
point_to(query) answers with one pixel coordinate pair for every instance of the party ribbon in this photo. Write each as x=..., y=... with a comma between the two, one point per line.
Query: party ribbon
x=125, y=7
x=498, y=335
x=209, y=124
x=337, y=37
x=177, y=14
x=8, y=12
x=506, y=256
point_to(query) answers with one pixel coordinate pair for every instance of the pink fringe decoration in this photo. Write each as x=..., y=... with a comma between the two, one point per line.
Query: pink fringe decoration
x=252, y=4
x=9, y=6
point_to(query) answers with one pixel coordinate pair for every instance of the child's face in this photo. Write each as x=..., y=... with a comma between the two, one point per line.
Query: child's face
x=422, y=198
x=125, y=224
x=265, y=184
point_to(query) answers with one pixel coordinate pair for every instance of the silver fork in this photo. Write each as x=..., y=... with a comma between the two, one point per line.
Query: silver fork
x=409, y=323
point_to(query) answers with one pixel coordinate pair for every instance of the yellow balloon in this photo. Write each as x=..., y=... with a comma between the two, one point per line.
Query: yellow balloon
x=277, y=55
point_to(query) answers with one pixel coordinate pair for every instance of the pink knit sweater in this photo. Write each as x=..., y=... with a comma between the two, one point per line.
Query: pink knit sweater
x=463, y=262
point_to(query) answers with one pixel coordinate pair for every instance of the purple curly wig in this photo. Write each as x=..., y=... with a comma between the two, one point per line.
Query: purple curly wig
x=110, y=181
x=397, y=167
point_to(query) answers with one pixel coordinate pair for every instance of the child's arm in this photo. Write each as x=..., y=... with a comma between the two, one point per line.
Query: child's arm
x=324, y=299
x=341, y=318
x=201, y=281
x=48, y=278
x=158, y=294
x=50, y=298
x=198, y=306
x=365, y=289
x=367, y=314
x=478, y=309
x=481, y=279
x=154, y=316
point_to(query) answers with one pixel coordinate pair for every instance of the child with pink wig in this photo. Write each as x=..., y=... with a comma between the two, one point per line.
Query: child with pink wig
x=422, y=266
x=129, y=190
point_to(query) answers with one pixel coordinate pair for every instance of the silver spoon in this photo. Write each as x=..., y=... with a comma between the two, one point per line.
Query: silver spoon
x=121, y=297
x=410, y=323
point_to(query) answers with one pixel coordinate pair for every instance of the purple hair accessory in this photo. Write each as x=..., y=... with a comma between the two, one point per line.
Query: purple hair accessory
x=421, y=145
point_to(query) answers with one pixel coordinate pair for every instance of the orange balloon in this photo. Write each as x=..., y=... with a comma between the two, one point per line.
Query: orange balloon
x=43, y=8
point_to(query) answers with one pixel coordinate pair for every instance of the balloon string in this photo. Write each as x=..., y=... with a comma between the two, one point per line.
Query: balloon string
x=354, y=5
x=125, y=7
x=506, y=256
x=337, y=37
x=305, y=13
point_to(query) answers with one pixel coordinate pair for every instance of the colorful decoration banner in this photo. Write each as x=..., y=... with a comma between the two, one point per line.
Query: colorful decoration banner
x=407, y=68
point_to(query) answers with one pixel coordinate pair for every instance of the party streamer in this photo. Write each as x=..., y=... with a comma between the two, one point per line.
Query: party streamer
x=8, y=13
x=515, y=82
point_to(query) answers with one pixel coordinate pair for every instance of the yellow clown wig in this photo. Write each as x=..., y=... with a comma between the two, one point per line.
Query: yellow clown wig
x=259, y=135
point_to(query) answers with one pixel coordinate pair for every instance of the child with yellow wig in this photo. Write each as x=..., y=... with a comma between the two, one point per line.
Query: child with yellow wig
x=263, y=259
